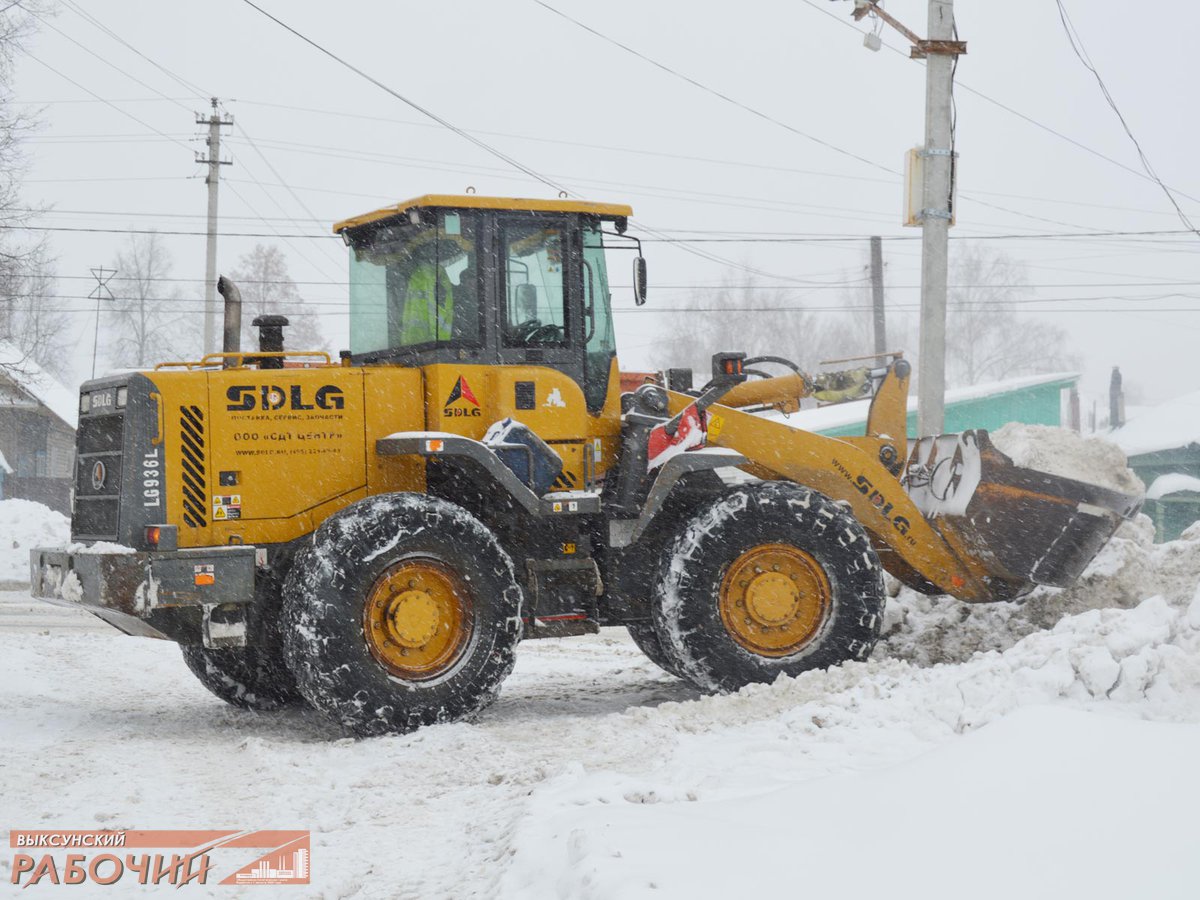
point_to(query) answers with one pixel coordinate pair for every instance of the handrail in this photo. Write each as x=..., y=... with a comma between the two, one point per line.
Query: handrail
x=214, y=360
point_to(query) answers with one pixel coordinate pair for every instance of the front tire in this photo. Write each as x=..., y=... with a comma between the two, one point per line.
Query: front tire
x=405, y=611
x=770, y=579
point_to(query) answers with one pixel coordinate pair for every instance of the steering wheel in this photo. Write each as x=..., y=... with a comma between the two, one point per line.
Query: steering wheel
x=532, y=331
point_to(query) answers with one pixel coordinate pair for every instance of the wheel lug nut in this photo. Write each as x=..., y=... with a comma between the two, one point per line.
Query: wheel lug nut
x=775, y=568
x=412, y=582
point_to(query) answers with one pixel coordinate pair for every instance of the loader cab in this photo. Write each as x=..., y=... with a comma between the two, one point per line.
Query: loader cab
x=486, y=281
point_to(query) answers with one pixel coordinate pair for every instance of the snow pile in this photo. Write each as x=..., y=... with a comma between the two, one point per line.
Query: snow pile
x=1059, y=451
x=751, y=775
x=23, y=526
x=930, y=630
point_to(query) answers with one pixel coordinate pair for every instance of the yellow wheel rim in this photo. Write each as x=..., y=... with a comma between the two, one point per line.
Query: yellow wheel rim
x=418, y=619
x=775, y=599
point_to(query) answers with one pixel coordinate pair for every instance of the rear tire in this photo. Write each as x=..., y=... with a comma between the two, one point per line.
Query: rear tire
x=770, y=579
x=405, y=611
x=255, y=676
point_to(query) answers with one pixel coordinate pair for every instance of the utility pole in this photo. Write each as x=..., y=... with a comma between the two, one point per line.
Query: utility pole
x=935, y=223
x=877, y=300
x=214, y=121
x=937, y=165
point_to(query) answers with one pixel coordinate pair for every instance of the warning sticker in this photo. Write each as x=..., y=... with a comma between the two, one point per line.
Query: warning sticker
x=227, y=506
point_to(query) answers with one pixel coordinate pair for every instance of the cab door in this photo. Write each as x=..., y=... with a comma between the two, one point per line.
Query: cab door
x=541, y=336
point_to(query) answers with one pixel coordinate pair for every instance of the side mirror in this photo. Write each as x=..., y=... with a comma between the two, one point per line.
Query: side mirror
x=639, y=280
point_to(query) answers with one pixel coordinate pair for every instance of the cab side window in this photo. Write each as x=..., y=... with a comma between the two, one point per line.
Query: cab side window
x=432, y=284
x=534, y=285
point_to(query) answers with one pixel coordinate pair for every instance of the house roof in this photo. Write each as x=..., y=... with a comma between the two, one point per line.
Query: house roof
x=1175, y=423
x=31, y=379
x=842, y=414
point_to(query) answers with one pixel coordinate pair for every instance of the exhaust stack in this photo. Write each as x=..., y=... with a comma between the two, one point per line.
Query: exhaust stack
x=233, y=317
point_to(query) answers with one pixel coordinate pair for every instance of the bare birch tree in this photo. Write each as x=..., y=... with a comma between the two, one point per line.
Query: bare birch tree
x=144, y=323
x=987, y=338
x=27, y=318
x=747, y=316
x=268, y=289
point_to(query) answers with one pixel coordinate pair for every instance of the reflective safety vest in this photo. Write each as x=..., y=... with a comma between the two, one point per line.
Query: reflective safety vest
x=424, y=318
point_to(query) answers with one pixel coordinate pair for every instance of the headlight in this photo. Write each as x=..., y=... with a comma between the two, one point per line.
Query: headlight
x=122, y=397
x=85, y=402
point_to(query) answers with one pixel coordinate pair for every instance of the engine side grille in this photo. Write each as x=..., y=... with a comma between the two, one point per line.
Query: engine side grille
x=191, y=434
x=98, y=445
x=100, y=433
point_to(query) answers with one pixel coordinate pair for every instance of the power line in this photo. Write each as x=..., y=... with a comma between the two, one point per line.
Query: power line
x=92, y=20
x=703, y=254
x=168, y=232
x=1077, y=45
x=768, y=118
x=811, y=286
x=980, y=309
x=1008, y=109
x=715, y=93
x=294, y=195
x=819, y=239
x=109, y=103
x=107, y=62
x=483, y=145
x=589, y=145
x=95, y=100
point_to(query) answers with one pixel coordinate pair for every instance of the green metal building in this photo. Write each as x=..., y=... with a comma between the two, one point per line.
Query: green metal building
x=1034, y=400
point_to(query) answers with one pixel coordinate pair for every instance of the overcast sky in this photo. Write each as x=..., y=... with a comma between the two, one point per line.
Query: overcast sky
x=608, y=125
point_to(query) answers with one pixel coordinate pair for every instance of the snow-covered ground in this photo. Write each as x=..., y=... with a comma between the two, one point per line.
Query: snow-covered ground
x=1035, y=749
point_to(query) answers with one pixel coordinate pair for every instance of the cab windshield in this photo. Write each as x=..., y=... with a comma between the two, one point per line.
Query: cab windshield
x=415, y=285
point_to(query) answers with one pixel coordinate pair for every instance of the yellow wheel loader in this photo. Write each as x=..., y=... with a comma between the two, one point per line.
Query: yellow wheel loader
x=373, y=536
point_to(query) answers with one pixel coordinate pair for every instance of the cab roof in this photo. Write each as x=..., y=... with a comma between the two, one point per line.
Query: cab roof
x=474, y=201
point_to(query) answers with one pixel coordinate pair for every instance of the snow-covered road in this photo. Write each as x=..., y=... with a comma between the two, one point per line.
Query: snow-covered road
x=1058, y=763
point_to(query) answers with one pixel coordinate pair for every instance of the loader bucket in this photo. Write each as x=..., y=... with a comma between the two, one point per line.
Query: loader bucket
x=1023, y=526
